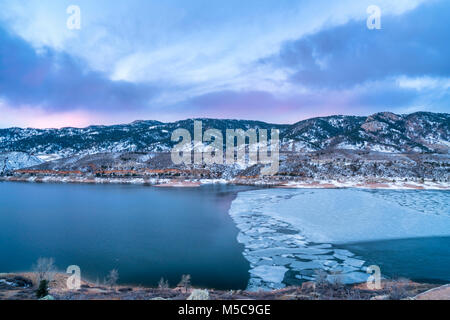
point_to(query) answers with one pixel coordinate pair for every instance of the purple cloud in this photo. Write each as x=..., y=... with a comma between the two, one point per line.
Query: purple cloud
x=59, y=82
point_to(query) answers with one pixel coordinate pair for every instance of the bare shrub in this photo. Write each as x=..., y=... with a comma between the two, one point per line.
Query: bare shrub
x=398, y=289
x=353, y=294
x=185, y=282
x=112, y=277
x=336, y=281
x=337, y=287
x=321, y=279
x=330, y=286
x=163, y=284
x=45, y=269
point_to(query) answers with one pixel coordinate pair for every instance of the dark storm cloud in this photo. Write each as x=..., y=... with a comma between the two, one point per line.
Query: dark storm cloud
x=57, y=81
x=414, y=44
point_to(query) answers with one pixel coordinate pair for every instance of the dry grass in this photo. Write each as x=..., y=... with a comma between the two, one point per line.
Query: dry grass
x=321, y=290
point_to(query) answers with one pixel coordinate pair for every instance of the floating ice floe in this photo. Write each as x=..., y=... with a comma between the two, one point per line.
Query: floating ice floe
x=274, y=248
x=290, y=234
x=273, y=274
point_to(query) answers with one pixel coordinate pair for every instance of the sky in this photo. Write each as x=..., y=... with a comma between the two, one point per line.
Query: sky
x=277, y=61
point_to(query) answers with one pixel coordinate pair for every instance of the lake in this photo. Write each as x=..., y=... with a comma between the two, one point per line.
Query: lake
x=147, y=233
x=144, y=232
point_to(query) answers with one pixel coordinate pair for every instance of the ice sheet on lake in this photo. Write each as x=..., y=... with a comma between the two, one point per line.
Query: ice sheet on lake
x=426, y=201
x=290, y=233
x=342, y=216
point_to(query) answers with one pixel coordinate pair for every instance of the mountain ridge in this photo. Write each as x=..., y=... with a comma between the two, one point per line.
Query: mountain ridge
x=419, y=132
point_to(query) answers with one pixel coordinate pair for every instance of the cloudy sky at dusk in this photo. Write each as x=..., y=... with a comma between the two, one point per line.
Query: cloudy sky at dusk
x=277, y=61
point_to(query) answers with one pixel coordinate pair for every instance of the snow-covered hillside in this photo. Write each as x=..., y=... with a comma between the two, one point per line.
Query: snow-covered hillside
x=17, y=160
x=383, y=132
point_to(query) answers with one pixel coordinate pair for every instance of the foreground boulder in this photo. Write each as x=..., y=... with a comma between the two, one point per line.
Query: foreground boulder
x=199, y=295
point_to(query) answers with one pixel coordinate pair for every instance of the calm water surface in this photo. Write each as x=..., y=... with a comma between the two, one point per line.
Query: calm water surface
x=144, y=232
x=420, y=259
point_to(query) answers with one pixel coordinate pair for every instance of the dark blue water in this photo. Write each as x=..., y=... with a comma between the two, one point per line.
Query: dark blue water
x=144, y=232
x=419, y=259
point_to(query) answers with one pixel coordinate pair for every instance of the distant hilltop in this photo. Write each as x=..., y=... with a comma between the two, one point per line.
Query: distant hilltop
x=421, y=132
